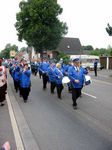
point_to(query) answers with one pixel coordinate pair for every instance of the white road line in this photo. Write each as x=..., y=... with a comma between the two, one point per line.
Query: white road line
x=90, y=95
x=17, y=136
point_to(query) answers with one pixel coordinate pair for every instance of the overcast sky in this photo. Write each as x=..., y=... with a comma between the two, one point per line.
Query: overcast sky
x=86, y=20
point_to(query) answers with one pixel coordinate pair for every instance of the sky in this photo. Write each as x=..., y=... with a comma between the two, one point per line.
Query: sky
x=86, y=20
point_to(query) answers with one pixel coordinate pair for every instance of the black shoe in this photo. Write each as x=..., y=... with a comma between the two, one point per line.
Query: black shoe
x=52, y=92
x=2, y=104
x=60, y=97
x=44, y=88
x=75, y=107
x=25, y=101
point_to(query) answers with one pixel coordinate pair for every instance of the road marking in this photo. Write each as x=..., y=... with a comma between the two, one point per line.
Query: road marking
x=103, y=82
x=90, y=95
x=17, y=136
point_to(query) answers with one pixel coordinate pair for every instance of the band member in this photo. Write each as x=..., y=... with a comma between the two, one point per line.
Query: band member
x=76, y=75
x=3, y=83
x=21, y=65
x=51, y=76
x=59, y=76
x=25, y=82
x=44, y=67
x=39, y=69
x=95, y=66
x=16, y=77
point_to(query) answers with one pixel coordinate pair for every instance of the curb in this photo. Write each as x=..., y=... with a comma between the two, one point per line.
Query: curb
x=23, y=128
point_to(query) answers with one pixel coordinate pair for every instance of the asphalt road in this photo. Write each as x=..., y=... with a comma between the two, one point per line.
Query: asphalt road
x=56, y=126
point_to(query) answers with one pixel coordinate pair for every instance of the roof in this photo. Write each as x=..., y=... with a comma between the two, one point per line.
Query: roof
x=70, y=46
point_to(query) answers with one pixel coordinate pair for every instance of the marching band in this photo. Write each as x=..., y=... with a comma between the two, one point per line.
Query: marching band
x=57, y=74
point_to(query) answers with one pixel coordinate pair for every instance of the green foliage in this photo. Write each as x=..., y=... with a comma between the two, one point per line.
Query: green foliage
x=38, y=24
x=102, y=51
x=109, y=29
x=88, y=48
x=95, y=52
x=6, y=52
x=64, y=57
x=111, y=53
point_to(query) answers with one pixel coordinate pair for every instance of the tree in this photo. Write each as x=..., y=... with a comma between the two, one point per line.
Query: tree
x=5, y=53
x=95, y=52
x=88, y=48
x=102, y=52
x=38, y=24
x=64, y=57
x=109, y=29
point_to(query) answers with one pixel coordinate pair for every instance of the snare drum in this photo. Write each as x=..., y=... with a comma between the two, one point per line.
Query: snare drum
x=65, y=80
x=87, y=80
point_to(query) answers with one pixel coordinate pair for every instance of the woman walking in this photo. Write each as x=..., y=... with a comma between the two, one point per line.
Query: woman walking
x=59, y=76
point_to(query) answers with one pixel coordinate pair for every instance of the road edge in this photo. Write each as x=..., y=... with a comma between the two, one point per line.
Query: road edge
x=26, y=135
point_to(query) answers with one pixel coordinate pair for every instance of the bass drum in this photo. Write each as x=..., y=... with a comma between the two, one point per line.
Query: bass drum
x=87, y=80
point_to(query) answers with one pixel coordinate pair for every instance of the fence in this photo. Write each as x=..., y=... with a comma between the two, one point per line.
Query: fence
x=106, y=62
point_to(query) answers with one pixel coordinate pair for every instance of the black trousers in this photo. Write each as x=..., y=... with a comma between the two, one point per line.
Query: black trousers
x=25, y=93
x=40, y=74
x=45, y=79
x=59, y=89
x=53, y=85
x=16, y=85
x=35, y=73
x=3, y=92
x=76, y=92
x=95, y=70
x=20, y=89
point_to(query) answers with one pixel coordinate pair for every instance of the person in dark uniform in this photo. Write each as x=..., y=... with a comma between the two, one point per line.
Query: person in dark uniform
x=44, y=67
x=16, y=77
x=25, y=82
x=59, y=76
x=95, y=66
x=39, y=68
x=51, y=76
x=76, y=74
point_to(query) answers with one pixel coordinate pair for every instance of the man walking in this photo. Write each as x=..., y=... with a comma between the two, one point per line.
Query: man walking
x=95, y=66
x=76, y=75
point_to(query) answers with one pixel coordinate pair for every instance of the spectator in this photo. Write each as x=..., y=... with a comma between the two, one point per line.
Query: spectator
x=95, y=66
x=6, y=146
x=3, y=83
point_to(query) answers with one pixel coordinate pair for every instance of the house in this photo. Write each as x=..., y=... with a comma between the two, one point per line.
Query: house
x=69, y=46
